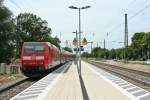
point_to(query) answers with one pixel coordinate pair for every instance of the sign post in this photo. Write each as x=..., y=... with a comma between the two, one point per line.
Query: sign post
x=75, y=43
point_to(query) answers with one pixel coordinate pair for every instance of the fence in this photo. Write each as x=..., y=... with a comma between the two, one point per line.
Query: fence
x=9, y=69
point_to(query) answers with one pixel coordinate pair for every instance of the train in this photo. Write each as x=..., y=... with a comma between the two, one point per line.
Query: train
x=39, y=58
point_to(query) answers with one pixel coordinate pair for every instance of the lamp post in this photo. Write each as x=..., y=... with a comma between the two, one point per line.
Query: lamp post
x=79, y=9
x=76, y=61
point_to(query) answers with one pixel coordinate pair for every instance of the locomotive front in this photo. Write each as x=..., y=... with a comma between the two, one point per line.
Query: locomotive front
x=33, y=58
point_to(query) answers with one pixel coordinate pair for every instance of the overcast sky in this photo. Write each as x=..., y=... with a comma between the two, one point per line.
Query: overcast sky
x=104, y=16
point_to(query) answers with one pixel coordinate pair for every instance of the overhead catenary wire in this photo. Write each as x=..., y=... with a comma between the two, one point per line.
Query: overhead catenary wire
x=28, y=4
x=14, y=3
x=131, y=3
x=140, y=11
x=119, y=25
x=19, y=7
x=145, y=29
x=132, y=17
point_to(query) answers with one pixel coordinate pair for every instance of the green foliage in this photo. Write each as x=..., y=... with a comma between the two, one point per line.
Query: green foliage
x=98, y=52
x=26, y=27
x=31, y=28
x=112, y=54
x=85, y=54
x=138, y=50
x=67, y=49
x=119, y=53
x=52, y=40
x=140, y=46
x=7, y=36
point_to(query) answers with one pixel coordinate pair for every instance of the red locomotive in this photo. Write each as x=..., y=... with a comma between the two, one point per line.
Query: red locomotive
x=38, y=58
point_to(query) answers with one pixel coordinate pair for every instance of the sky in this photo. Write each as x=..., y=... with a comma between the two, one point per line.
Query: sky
x=104, y=20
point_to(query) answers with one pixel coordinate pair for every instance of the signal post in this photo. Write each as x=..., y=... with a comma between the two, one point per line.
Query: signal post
x=75, y=43
x=79, y=43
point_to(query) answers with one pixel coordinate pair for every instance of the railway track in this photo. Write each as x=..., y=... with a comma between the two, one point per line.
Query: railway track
x=14, y=89
x=139, y=78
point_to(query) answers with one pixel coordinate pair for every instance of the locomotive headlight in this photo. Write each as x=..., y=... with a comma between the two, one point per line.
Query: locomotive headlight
x=39, y=57
x=26, y=57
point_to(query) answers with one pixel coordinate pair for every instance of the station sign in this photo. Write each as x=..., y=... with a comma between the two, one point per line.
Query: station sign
x=84, y=41
x=77, y=49
x=75, y=42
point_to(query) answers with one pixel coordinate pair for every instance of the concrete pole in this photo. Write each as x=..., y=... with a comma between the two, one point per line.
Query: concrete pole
x=97, y=44
x=126, y=38
x=77, y=49
x=91, y=46
x=66, y=43
x=104, y=48
x=79, y=42
x=148, y=52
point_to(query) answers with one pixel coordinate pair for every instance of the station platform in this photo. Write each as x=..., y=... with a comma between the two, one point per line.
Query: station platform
x=93, y=84
x=90, y=86
x=67, y=87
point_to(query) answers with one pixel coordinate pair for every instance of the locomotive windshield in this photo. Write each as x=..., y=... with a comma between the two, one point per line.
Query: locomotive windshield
x=33, y=47
x=29, y=49
x=39, y=48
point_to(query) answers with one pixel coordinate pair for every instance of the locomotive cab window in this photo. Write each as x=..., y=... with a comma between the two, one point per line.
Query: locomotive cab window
x=33, y=47
x=28, y=49
x=39, y=48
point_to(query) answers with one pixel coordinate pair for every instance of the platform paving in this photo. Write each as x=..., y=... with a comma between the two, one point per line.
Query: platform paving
x=99, y=89
x=90, y=86
x=67, y=87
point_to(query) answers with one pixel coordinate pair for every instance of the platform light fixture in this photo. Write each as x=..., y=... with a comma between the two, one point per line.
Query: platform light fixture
x=79, y=45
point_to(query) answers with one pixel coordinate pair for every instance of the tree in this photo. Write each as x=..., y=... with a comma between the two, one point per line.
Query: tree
x=138, y=50
x=31, y=28
x=7, y=36
x=146, y=45
x=67, y=49
x=113, y=54
x=85, y=54
x=95, y=52
x=99, y=52
x=137, y=41
x=52, y=40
